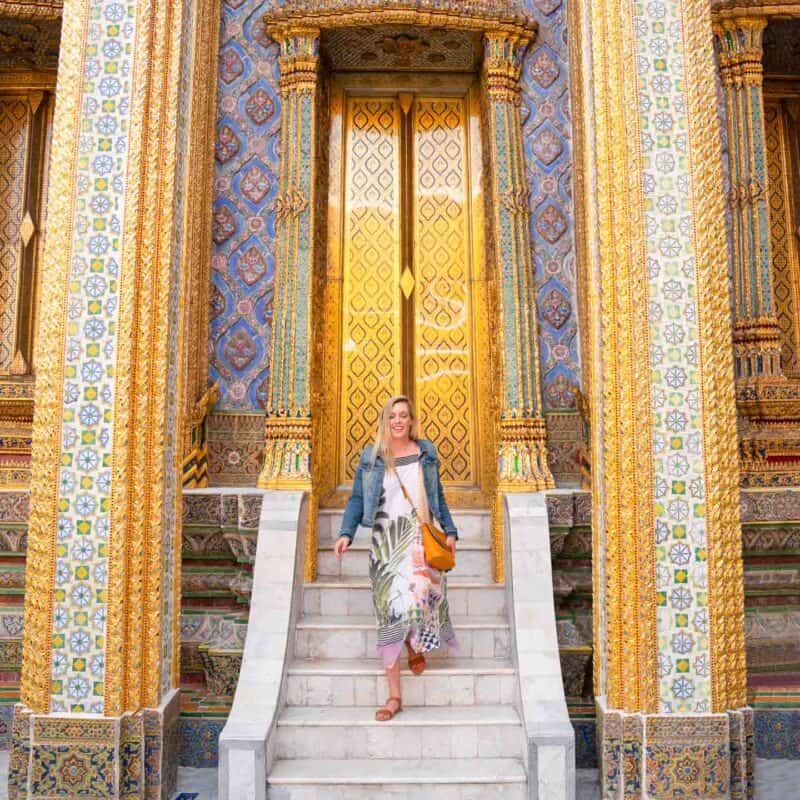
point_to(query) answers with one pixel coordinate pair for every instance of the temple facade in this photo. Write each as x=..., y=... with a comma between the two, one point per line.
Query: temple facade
x=569, y=230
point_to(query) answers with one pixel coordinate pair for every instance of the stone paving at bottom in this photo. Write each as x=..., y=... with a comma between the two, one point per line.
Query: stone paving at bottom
x=775, y=780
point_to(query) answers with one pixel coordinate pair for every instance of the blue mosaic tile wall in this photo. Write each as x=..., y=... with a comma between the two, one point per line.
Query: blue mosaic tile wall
x=547, y=130
x=247, y=169
x=247, y=172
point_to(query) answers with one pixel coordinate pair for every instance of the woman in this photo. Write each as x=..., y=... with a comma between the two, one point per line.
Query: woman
x=410, y=597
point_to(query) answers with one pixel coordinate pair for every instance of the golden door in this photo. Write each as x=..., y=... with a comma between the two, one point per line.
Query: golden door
x=402, y=286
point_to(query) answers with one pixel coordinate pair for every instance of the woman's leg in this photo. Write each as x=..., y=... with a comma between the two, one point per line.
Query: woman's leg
x=394, y=702
x=393, y=679
x=416, y=661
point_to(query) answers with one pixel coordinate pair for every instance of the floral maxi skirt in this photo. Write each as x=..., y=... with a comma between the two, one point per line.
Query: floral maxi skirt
x=410, y=597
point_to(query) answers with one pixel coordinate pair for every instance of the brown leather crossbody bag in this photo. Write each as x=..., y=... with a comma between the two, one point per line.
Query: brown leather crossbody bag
x=434, y=542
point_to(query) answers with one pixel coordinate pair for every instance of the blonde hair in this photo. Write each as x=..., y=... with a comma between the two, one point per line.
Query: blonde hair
x=383, y=435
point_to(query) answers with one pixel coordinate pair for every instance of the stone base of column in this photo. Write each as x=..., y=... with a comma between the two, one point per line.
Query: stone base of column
x=287, y=454
x=523, y=456
x=668, y=756
x=132, y=757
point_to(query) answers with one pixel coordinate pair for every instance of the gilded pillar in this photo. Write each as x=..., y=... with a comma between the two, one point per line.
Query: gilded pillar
x=287, y=452
x=668, y=589
x=101, y=641
x=522, y=434
x=757, y=339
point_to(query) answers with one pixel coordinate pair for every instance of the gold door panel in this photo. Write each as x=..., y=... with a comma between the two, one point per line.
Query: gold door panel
x=371, y=333
x=443, y=369
x=402, y=282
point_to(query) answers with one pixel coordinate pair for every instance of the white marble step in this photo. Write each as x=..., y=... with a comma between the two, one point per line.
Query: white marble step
x=354, y=636
x=467, y=597
x=416, y=732
x=472, y=526
x=362, y=682
x=414, y=779
x=473, y=559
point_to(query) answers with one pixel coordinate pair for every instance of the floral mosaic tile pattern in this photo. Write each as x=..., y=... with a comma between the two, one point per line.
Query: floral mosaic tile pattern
x=248, y=164
x=244, y=225
x=199, y=737
x=547, y=131
x=777, y=733
x=88, y=390
x=679, y=511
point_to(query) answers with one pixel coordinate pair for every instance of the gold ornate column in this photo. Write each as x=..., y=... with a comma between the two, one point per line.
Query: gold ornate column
x=768, y=401
x=668, y=588
x=198, y=397
x=287, y=454
x=101, y=641
x=757, y=339
x=522, y=434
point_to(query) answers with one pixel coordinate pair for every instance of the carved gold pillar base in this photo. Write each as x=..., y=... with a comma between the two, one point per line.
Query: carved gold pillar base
x=703, y=755
x=757, y=350
x=287, y=454
x=768, y=404
x=522, y=451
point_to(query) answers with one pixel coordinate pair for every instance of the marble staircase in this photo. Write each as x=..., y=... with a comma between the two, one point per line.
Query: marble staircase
x=460, y=734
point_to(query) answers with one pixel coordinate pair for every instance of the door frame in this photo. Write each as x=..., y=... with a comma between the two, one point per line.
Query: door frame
x=329, y=283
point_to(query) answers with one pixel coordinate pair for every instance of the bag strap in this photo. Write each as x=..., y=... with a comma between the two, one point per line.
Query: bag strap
x=426, y=508
x=406, y=494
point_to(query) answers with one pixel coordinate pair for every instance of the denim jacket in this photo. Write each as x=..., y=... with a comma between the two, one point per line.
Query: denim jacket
x=368, y=482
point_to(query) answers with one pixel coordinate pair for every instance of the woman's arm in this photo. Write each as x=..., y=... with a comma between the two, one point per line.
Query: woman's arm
x=354, y=510
x=444, y=511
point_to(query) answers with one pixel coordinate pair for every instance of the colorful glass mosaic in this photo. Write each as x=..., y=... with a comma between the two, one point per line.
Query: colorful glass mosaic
x=679, y=511
x=88, y=388
x=547, y=130
x=244, y=224
x=248, y=160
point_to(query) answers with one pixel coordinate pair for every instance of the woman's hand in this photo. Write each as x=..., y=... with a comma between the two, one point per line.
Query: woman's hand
x=451, y=543
x=340, y=548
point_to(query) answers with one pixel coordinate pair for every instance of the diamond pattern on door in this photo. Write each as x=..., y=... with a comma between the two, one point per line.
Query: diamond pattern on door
x=371, y=330
x=444, y=360
x=13, y=149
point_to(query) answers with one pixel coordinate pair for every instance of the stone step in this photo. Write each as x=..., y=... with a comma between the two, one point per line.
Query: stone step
x=362, y=682
x=467, y=597
x=472, y=526
x=351, y=636
x=473, y=559
x=416, y=732
x=411, y=779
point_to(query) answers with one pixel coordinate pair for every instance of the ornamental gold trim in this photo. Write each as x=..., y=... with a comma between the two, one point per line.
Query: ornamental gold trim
x=39, y=583
x=353, y=13
x=723, y=529
x=287, y=454
x=141, y=476
x=750, y=8
x=522, y=456
x=33, y=9
x=625, y=641
x=288, y=428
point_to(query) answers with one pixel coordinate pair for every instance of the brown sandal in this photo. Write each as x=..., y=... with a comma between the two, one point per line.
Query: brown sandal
x=385, y=714
x=416, y=661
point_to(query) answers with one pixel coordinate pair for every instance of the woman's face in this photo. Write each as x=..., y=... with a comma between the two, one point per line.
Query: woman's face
x=400, y=421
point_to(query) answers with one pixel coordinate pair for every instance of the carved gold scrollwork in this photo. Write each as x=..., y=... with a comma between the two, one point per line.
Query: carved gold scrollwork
x=287, y=453
x=517, y=201
x=755, y=192
x=290, y=204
